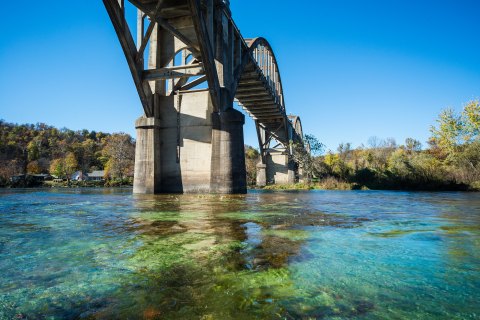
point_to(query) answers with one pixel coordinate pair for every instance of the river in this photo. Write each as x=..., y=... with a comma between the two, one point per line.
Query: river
x=105, y=253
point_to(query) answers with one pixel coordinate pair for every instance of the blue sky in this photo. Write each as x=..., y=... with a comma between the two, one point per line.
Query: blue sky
x=351, y=69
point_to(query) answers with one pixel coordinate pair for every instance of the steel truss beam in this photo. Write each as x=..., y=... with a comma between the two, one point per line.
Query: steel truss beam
x=175, y=72
x=116, y=11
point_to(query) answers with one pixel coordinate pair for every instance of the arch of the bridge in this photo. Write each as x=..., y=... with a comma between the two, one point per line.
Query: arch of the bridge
x=260, y=51
x=286, y=129
x=297, y=134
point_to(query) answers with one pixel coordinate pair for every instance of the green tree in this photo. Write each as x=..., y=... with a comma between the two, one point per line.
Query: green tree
x=313, y=145
x=57, y=167
x=471, y=120
x=447, y=135
x=33, y=151
x=412, y=145
x=252, y=157
x=398, y=163
x=468, y=163
x=304, y=155
x=427, y=168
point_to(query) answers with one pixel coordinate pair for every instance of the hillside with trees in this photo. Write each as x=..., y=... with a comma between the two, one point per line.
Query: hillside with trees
x=36, y=149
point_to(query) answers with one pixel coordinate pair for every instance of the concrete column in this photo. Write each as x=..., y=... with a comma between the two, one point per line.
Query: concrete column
x=186, y=136
x=147, y=156
x=301, y=177
x=280, y=169
x=291, y=173
x=261, y=175
x=228, y=173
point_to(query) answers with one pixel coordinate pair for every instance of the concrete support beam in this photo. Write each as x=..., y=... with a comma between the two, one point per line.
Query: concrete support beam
x=186, y=143
x=228, y=173
x=147, y=156
x=291, y=175
x=261, y=175
x=191, y=149
x=280, y=169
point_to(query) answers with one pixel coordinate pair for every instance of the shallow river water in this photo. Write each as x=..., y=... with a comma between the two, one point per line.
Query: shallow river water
x=107, y=254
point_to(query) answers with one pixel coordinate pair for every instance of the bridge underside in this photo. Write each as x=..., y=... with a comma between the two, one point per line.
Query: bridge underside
x=189, y=64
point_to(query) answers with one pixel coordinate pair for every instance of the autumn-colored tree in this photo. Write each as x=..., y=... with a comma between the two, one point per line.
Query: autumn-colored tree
x=33, y=151
x=468, y=163
x=70, y=165
x=120, y=150
x=33, y=167
x=64, y=167
x=252, y=157
x=57, y=168
x=88, y=147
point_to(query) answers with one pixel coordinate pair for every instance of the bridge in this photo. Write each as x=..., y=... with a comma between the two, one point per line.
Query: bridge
x=189, y=64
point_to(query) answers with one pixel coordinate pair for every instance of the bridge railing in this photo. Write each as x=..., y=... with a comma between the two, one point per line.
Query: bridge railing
x=265, y=60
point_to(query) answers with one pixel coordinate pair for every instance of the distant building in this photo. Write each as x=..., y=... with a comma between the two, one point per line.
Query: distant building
x=17, y=178
x=78, y=176
x=96, y=175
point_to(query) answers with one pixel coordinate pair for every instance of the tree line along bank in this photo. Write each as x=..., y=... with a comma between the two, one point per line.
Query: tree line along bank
x=451, y=160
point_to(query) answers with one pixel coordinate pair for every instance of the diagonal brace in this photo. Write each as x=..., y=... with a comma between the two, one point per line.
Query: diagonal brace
x=116, y=13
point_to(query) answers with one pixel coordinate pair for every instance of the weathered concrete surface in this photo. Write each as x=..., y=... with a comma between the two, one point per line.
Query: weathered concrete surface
x=186, y=143
x=190, y=149
x=279, y=169
x=301, y=177
x=261, y=175
x=147, y=166
x=228, y=173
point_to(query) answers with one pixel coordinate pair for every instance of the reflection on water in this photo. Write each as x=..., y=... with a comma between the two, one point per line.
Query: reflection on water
x=102, y=254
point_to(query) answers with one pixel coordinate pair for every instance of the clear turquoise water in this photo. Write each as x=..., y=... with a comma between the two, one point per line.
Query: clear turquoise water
x=103, y=254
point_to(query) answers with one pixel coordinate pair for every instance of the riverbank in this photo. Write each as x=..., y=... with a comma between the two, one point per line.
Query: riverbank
x=336, y=184
x=327, y=184
x=70, y=184
x=89, y=184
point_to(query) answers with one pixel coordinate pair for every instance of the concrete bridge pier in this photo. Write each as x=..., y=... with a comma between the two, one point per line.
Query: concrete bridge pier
x=261, y=174
x=189, y=148
x=228, y=173
x=147, y=166
x=194, y=141
x=277, y=169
